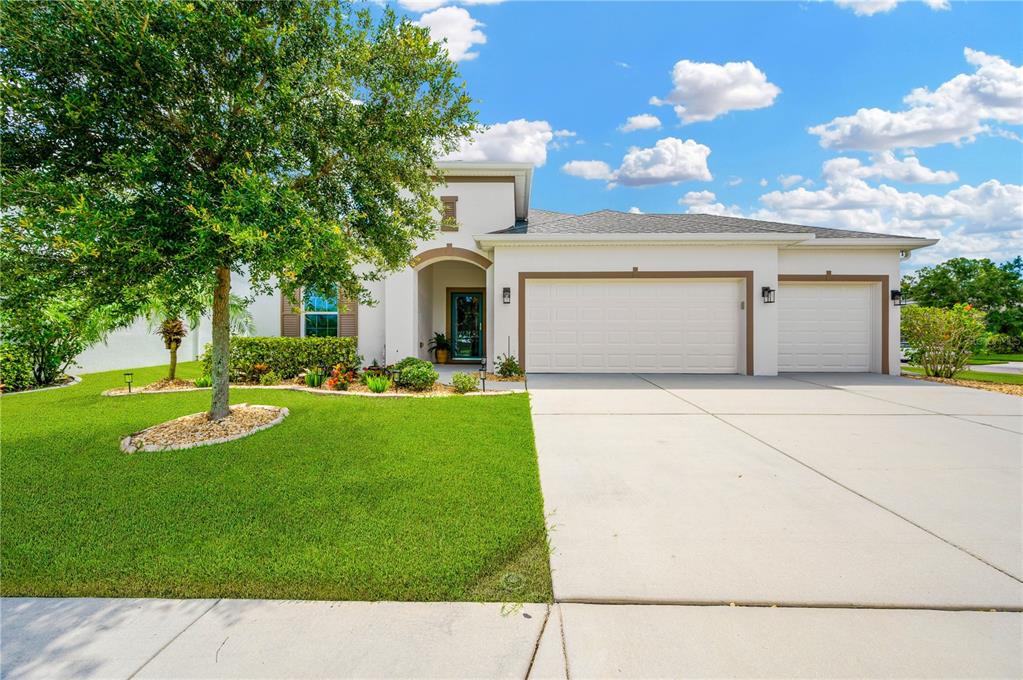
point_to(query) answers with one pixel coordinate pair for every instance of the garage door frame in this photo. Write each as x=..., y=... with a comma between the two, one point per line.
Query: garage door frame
x=637, y=274
x=853, y=278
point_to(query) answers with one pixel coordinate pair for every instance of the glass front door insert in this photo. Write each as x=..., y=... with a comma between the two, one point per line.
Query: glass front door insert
x=466, y=325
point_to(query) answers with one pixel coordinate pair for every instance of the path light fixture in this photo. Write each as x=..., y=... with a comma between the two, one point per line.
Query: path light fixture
x=128, y=378
x=897, y=298
x=506, y=295
x=483, y=372
x=767, y=293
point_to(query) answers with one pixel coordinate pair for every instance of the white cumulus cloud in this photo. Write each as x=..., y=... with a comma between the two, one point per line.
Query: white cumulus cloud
x=642, y=121
x=421, y=5
x=587, y=169
x=668, y=161
x=455, y=27
x=867, y=8
x=958, y=110
x=706, y=203
x=517, y=141
x=703, y=91
x=788, y=180
x=635, y=211
x=887, y=166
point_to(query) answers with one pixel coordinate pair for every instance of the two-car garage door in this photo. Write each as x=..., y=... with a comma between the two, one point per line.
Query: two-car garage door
x=626, y=325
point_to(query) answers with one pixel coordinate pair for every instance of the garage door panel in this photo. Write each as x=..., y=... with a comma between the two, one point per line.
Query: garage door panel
x=621, y=326
x=825, y=327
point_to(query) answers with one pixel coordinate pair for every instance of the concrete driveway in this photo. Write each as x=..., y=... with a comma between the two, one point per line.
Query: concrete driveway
x=820, y=493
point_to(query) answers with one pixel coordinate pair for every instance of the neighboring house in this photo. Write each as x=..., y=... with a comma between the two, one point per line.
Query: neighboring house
x=619, y=292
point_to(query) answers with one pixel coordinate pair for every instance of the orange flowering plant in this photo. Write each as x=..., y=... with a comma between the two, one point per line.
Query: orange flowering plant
x=942, y=339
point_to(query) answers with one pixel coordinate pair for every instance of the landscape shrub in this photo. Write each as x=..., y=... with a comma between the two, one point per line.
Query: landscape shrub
x=204, y=380
x=465, y=382
x=287, y=357
x=1003, y=343
x=419, y=377
x=410, y=366
x=269, y=378
x=508, y=366
x=377, y=383
x=314, y=377
x=941, y=340
x=15, y=368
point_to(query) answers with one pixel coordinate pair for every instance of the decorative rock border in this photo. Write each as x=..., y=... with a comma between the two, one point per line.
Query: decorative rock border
x=128, y=444
x=74, y=381
x=316, y=390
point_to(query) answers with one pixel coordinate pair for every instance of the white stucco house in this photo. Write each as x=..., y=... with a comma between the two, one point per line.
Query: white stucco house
x=605, y=292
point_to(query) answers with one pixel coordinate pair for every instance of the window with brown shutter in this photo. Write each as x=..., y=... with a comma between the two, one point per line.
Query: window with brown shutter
x=449, y=213
x=348, y=317
x=291, y=317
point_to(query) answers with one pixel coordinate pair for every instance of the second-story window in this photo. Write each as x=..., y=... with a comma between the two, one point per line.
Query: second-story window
x=449, y=213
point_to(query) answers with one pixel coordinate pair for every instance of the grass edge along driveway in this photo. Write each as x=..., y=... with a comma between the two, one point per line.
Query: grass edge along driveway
x=349, y=498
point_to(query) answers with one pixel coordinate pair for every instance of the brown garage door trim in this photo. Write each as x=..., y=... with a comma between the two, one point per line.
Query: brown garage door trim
x=636, y=274
x=853, y=278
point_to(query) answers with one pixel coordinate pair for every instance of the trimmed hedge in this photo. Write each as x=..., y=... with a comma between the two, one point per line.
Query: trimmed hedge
x=15, y=368
x=287, y=357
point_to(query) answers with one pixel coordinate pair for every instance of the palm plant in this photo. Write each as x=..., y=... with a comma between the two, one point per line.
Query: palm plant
x=167, y=323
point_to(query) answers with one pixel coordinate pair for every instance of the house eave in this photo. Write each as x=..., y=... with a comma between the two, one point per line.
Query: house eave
x=492, y=240
x=900, y=243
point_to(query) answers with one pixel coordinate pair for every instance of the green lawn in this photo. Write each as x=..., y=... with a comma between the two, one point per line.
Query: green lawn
x=980, y=376
x=981, y=359
x=349, y=498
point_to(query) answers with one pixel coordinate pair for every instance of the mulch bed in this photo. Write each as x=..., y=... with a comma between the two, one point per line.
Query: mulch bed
x=198, y=430
x=162, y=385
x=1016, y=390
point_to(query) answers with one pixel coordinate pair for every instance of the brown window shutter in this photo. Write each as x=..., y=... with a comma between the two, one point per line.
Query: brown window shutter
x=347, y=317
x=291, y=319
x=449, y=213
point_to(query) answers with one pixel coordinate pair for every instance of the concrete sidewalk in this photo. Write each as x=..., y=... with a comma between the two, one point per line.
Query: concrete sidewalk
x=98, y=638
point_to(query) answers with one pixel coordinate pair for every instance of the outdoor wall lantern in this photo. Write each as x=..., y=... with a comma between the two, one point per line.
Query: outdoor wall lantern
x=897, y=298
x=128, y=377
x=506, y=296
x=483, y=370
x=768, y=294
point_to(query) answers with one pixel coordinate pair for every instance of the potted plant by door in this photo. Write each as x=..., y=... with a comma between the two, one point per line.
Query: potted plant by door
x=440, y=346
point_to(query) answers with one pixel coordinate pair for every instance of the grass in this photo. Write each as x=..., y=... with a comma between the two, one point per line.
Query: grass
x=349, y=498
x=982, y=359
x=980, y=376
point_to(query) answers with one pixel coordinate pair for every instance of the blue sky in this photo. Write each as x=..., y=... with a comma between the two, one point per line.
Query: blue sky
x=891, y=116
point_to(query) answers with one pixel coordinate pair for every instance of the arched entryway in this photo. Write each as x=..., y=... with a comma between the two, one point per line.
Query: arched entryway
x=452, y=298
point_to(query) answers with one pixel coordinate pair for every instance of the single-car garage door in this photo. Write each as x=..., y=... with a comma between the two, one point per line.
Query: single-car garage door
x=826, y=327
x=621, y=326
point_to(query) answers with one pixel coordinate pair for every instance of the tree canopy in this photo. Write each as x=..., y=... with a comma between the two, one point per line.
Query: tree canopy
x=995, y=288
x=151, y=147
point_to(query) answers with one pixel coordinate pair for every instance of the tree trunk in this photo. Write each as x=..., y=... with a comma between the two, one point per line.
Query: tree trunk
x=172, y=371
x=221, y=345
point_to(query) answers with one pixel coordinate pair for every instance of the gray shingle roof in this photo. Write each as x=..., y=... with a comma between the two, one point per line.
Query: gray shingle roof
x=615, y=222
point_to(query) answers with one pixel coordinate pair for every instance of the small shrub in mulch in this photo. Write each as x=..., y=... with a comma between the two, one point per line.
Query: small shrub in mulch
x=198, y=430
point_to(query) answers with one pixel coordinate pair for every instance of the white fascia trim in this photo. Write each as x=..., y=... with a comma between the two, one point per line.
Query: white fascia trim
x=900, y=243
x=491, y=240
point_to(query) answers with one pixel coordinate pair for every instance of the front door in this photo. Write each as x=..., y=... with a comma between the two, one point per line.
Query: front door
x=466, y=313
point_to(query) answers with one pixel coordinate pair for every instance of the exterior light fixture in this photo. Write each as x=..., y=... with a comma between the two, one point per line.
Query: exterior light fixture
x=767, y=293
x=128, y=377
x=483, y=370
x=506, y=296
x=897, y=298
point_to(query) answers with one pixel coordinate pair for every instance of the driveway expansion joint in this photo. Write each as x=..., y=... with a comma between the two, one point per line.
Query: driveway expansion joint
x=176, y=636
x=621, y=602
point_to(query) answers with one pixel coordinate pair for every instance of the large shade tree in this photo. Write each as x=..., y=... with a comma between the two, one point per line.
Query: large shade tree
x=153, y=147
x=995, y=288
